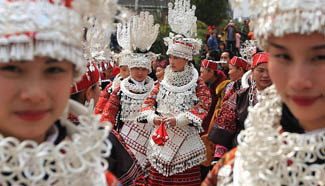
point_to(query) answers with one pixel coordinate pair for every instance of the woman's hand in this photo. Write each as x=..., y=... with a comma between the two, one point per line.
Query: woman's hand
x=170, y=122
x=158, y=120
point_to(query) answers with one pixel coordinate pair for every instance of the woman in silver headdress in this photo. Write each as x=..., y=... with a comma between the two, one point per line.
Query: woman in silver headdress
x=40, y=58
x=177, y=106
x=283, y=143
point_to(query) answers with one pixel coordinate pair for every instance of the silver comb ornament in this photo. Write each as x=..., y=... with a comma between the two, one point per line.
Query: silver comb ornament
x=248, y=49
x=124, y=36
x=182, y=19
x=144, y=32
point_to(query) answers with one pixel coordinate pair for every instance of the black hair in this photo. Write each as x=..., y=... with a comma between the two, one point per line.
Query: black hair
x=140, y=52
x=81, y=96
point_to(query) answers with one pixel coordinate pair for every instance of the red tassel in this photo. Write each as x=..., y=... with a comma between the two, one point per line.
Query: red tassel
x=161, y=136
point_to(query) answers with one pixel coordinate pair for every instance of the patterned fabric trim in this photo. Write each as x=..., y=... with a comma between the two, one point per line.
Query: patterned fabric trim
x=223, y=169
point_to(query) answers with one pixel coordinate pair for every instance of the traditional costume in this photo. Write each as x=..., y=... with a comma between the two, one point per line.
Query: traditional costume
x=125, y=102
x=108, y=90
x=274, y=149
x=228, y=88
x=220, y=77
x=70, y=155
x=122, y=162
x=230, y=119
x=184, y=96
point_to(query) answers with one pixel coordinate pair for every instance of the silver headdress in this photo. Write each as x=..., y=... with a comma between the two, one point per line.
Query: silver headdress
x=280, y=17
x=182, y=21
x=139, y=33
x=124, y=40
x=48, y=28
x=248, y=49
x=97, y=44
x=144, y=32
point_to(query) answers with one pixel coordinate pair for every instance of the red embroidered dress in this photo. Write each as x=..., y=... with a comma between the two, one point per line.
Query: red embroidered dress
x=122, y=110
x=106, y=93
x=186, y=97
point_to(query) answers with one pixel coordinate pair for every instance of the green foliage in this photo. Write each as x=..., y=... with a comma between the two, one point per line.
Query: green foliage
x=159, y=47
x=212, y=12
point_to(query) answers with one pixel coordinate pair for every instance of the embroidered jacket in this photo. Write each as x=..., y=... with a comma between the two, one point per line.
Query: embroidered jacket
x=122, y=110
x=106, y=93
x=184, y=149
x=230, y=121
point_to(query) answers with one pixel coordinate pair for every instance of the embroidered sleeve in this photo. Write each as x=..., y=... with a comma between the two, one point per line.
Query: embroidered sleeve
x=103, y=99
x=201, y=109
x=149, y=107
x=222, y=172
x=112, y=107
x=224, y=126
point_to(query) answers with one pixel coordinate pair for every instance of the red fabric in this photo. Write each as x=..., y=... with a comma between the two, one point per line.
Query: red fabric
x=112, y=107
x=111, y=179
x=103, y=99
x=226, y=118
x=73, y=118
x=105, y=65
x=88, y=80
x=239, y=62
x=259, y=58
x=160, y=137
x=209, y=64
x=191, y=177
x=116, y=71
x=251, y=35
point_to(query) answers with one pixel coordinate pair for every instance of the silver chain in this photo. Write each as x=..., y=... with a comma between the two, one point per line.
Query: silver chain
x=251, y=93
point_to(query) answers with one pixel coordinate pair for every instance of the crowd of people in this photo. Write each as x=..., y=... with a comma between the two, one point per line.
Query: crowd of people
x=74, y=113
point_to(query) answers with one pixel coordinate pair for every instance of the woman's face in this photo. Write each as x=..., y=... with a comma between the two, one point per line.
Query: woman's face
x=235, y=73
x=297, y=68
x=124, y=71
x=34, y=95
x=177, y=64
x=160, y=73
x=139, y=74
x=261, y=76
x=207, y=75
